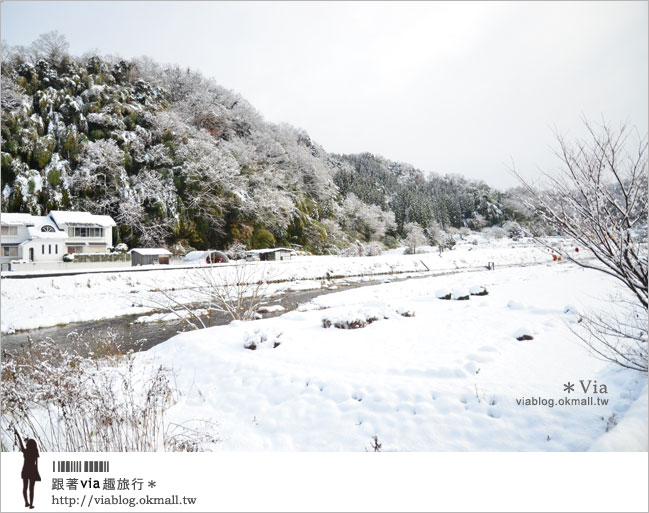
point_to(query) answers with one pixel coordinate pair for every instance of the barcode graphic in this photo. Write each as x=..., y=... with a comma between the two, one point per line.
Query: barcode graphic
x=79, y=466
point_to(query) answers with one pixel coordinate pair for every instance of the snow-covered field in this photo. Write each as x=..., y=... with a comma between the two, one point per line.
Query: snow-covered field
x=424, y=374
x=391, y=360
x=41, y=302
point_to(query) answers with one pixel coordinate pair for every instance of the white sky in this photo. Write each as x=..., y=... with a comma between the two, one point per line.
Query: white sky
x=458, y=87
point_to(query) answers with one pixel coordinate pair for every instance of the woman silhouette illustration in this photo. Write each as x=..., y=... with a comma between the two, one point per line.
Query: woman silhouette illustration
x=30, y=468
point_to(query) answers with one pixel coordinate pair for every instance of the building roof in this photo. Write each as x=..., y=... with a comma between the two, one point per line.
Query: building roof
x=150, y=251
x=81, y=218
x=36, y=233
x=197, y=255
x=12, y=218
x=269, y=250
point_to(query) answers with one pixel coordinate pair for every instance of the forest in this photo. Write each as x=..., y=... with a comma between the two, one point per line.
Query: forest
x=179, y=160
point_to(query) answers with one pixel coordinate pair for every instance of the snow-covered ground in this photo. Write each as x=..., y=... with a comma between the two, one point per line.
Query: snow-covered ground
x=423, y=374
x=49, y=301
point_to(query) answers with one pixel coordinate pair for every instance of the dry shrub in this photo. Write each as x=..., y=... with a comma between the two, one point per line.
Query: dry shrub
x=69, y=402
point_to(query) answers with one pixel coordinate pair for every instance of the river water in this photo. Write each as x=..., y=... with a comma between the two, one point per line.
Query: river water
x=142, y=336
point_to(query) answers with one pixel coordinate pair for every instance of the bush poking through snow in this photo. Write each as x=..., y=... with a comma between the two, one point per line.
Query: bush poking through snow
x=270, y=309
x=255, y=339
x=183, y=438
x=478, y=290
x=443, y=294
x=611, y=422
x=406, y=313
x=523, y=334
x=235, y=291
x=460, y=294
x=349, y=324
x=569, y=309
x=360, y=319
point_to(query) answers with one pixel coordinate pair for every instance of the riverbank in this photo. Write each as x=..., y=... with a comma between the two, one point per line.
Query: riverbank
x=421, y=374
x=43, y=302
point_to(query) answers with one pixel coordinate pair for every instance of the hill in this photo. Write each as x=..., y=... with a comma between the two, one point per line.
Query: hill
x=175, y=157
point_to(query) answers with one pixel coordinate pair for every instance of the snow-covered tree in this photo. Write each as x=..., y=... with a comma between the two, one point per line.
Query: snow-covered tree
x=100, y=180
x=415, y=237
x=158, y=146
x=513, y=229
x=368, y=221
x=52, y=46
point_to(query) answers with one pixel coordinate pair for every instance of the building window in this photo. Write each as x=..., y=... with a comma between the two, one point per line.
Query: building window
x=43, y=249
x=47, y=228
x=75, y=249
x=82, y=231
x=56, y=249
x=49, y=249
x=9, y=230
x=9, y=251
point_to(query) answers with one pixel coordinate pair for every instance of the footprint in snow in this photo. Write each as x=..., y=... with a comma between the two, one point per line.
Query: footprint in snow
x=494, y=412
x=472, y=367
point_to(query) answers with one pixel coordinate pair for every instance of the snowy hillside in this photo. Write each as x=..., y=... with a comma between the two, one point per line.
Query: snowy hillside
x=175, y=157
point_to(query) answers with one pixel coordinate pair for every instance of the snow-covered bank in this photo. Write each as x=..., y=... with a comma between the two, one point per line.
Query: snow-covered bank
x=449, y=375
x=41, y=302
x=629, y=434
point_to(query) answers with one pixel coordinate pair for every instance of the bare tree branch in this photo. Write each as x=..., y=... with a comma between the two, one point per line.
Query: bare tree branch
x=598, y=198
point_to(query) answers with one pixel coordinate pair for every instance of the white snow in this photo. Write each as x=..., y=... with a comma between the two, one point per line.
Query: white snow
x=445, y=378
x=630, y=434
x=476, y=289
x=36, y=233
x=442, y=293
x=459, y=292
x=67, y=217
x=193, y=256
x=150, y=251
x=168, y=316
x=271, y=309
x=41, y=302
x=13, y=218
x=390, y=360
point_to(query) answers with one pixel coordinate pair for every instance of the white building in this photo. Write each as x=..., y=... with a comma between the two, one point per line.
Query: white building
x=48, y=238
x=270, y=254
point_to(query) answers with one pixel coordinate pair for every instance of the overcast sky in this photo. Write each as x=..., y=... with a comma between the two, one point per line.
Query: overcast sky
x=458, y=87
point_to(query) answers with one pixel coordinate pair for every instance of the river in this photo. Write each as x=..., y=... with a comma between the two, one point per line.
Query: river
x=130, y=336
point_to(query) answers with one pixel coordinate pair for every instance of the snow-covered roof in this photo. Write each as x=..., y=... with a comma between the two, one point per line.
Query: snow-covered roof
x=71, y=217
x=197, y=255
x=269, y=250
x=11, y=218
x=150, y=251
x=36, y=233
